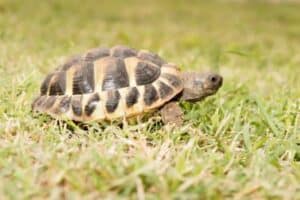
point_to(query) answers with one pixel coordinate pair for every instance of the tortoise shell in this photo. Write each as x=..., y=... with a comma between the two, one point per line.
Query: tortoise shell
x=105, y=84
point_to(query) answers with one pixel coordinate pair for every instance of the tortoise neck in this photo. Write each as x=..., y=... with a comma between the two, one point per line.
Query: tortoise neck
x=181, y=97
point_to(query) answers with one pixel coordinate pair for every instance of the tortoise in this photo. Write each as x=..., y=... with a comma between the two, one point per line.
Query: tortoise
x=120, y=83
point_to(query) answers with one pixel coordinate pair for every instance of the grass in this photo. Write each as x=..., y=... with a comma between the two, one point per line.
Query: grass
x=243, y=143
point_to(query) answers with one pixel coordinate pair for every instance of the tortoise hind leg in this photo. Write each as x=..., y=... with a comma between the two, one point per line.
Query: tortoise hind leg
x=171, y=113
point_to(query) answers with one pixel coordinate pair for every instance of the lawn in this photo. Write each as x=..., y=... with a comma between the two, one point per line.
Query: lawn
x=243, y=143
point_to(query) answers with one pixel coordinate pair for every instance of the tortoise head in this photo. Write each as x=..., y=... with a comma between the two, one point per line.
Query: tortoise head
x=197, y=86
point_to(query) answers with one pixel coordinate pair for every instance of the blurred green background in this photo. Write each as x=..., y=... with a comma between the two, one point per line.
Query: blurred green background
x=242, y=143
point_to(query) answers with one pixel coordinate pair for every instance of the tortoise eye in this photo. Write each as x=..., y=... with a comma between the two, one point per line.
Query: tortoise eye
x=213, y=79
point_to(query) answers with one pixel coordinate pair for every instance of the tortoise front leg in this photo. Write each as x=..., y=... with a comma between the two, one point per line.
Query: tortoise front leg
x=171, y=113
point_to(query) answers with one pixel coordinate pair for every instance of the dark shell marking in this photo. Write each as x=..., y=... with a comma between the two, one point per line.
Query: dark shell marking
x=115, y=75
x=113, y=98
x=91, y=104
x=45, y=84
x=146, y=73
x=76, y=104
x=174, y=80
x=150, y=94
x=83, y=80
x=64, y=104
x=49, y=102
x=164, y=89
x=132, y=97
x=58, y=84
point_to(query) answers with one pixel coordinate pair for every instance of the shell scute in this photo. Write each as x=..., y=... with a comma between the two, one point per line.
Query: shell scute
x=49, y=102
x=172, y=79
x=76, y=102
x=132, y=97
x=45, y=84
x=164, y=90
x=83, y=79
x=91, y=104
x=57, y=84
x=64, y=104
x=146, y=73
x=115, y=75
x=150, y=94
x=113, y=99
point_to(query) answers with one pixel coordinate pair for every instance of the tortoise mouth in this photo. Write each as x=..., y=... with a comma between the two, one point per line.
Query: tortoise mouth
x=211, y=89
x=195, y=97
